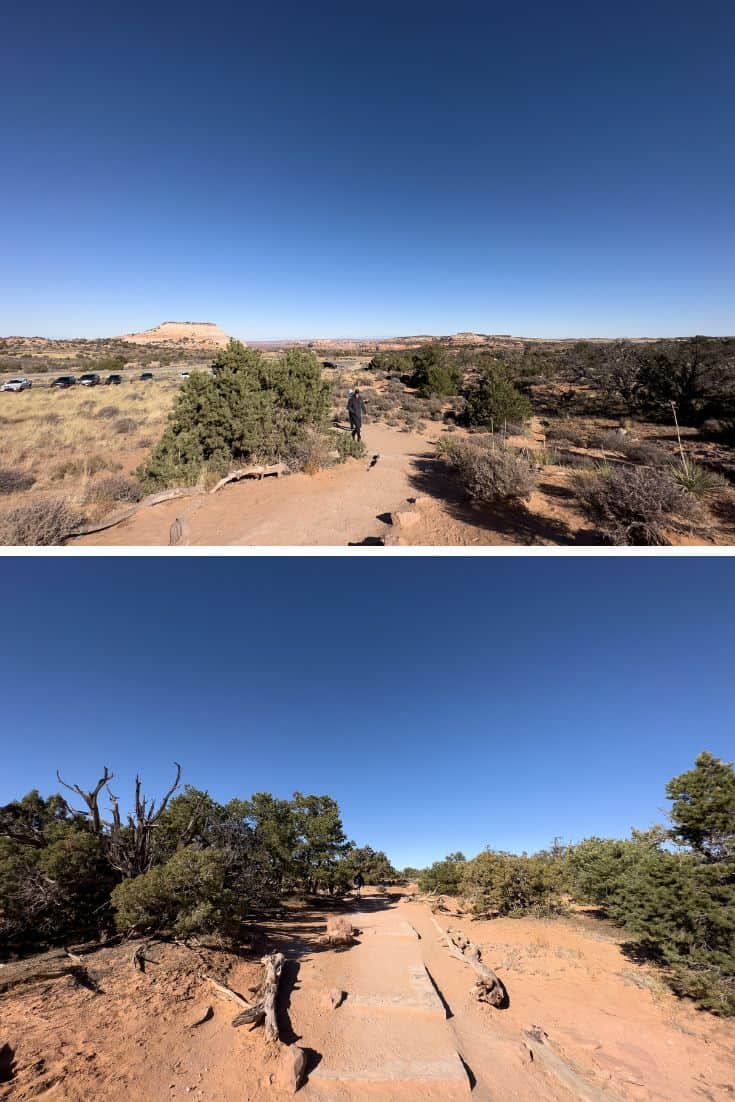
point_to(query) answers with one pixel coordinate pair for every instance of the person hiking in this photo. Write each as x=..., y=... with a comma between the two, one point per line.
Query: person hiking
x=358, y=882
x=356, y=410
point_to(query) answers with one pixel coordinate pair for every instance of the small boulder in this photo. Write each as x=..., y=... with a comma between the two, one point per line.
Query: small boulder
x=405, y=518
x=291, y=1067
x=334, y=998
x=340, y=931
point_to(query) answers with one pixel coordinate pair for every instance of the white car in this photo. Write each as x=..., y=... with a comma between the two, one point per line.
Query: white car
x=17, y=384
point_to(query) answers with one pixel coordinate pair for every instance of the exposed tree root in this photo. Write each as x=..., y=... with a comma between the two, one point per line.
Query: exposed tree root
x=488, y=988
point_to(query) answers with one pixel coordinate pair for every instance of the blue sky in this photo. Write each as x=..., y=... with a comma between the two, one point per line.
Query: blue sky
x=445, y=703
x=298, y=170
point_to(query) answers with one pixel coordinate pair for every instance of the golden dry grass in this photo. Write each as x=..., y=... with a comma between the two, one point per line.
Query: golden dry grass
x=65, y=439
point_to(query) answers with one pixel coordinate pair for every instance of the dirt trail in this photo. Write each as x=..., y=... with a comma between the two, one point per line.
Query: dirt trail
x=408, y=1030
x=403, y=1031
x=334, y=507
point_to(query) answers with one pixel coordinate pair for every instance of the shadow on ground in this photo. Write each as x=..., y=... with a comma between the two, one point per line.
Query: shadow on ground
x=432, y=478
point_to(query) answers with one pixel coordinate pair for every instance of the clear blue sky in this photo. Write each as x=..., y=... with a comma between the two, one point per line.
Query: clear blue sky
x=342, y=169
x=445, y=703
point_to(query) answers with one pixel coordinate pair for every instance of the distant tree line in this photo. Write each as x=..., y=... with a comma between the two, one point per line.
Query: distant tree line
x=640, y=378
x=672, y=889
x=185, y=864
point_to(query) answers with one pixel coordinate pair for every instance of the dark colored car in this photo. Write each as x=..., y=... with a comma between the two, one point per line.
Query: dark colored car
x=113, y=380
x=64, y=381
x=146, y=376
x=90, y=379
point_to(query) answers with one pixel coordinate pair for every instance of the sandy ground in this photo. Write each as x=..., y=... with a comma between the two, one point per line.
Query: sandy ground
x=349, y=503
x=408, y=1028
x=353, y=503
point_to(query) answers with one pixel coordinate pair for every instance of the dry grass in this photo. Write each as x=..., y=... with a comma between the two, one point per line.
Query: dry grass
x=64, y=440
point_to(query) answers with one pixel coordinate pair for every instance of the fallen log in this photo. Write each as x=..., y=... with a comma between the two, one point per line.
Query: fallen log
x=228, y=992
x=169, y=495
x=251, y=472
x=265, y=1009
x=130, y=511
x=108, y=522
x=489, y=988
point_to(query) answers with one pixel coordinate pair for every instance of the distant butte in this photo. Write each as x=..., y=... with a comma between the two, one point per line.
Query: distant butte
x=192, y=332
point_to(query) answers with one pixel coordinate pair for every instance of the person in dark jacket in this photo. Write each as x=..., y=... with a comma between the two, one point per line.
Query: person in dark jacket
x=358, y=882
x=356, y=410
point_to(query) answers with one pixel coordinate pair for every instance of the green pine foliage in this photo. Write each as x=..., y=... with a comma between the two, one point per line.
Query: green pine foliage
x=703, y=809
x=495, y=401
x=209, y=868
x=248, y=409
x=443, y=877
x=512, y=884
x=435, y=373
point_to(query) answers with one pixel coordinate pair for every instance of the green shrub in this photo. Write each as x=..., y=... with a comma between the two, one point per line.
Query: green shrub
x=495, y=400
x=249, y=408
x=512, y=884
x=186, y=895
x=597, y=868
x=54, y=879
x=489, y=470
x=372, y=864
x=435, y=374
x=682, y=911
x=349, y=448
x=443, y=877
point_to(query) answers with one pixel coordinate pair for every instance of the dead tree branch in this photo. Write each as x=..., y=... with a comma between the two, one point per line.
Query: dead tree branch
x=265, y=1009
x=488, y=988
x=228, y=992
x=91, y=798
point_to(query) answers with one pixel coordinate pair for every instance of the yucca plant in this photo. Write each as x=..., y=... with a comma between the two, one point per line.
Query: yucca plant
x=700, y=482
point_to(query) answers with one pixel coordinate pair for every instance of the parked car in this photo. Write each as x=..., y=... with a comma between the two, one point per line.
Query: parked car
x=90, y=379
x=184, y=374
x=146, y=376
x=64, y=381
x=113, y=380
x=18, y=384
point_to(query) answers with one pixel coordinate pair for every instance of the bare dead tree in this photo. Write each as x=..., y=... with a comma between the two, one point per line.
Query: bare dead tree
x=91, y=798
x=128, y=845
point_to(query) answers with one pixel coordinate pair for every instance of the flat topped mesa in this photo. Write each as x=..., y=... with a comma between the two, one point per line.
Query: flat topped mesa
x=194, y=332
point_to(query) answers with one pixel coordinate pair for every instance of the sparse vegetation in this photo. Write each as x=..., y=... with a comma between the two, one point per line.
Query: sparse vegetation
x=43, y=522
x=13, y=482
x=349, y=448
x=489, y=470
x=603, y=407
x=637, y=505
x=113, y=488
